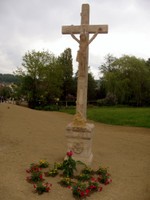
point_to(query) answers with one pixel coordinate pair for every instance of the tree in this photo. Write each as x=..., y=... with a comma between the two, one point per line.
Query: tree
x=92, y=86
x=101, y=88
x=65, y=62
x=5, y=92
x=128, y=80
x=8, y=78
x=42, y=77
x=107, y=66
x=134, y=79
x=52, y=83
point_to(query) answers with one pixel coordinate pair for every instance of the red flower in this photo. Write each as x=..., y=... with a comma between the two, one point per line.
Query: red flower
x=41, y=177
x=92, y=186
x=108, y=181
x=87, y=192
x=93, y=179
x=99, y=178
x=100, y=189
x=47, y=186
x=47, y=189
x=34, y=186
x=28, y=170
x=69, y=154
x=82, y=194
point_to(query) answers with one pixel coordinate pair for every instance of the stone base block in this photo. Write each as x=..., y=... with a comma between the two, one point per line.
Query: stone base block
x=79, y=140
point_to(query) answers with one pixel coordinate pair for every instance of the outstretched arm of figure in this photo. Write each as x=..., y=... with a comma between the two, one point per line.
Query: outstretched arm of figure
x=94, y=36
x=75, y=38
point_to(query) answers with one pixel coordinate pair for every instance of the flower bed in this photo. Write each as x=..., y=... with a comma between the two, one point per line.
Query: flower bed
x=83, y=185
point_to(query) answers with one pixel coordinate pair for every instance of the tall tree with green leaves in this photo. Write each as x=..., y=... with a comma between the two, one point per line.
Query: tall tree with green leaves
x=92, y=88
x=65, y=62
x=128, y=80
x=107, y=66
x=41, y=77
x=133, y=74
x=52, y=83
x=5, y=92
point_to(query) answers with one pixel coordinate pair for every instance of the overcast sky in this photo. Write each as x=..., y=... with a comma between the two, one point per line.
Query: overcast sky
x=36, y=24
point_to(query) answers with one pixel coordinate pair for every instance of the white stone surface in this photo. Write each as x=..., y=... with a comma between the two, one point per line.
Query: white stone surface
x=79, y=140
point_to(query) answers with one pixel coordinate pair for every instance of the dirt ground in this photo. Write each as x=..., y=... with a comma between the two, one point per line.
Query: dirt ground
x=26, y=136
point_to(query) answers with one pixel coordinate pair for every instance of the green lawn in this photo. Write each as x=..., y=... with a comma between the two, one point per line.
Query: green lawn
x=125, y=116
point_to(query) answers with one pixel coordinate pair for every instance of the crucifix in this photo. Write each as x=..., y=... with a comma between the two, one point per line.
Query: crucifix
x=82, y=56
x=79, y=132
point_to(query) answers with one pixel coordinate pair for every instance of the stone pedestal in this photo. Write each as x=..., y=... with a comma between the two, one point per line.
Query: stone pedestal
x=79, y=140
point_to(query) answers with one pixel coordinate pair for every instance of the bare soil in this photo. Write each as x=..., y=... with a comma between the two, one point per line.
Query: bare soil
x=27, y=135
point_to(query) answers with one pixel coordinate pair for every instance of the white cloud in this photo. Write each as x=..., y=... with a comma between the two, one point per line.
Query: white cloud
x=5, y=63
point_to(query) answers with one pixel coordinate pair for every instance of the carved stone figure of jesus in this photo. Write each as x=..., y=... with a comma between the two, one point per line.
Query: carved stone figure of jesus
x=82, y=52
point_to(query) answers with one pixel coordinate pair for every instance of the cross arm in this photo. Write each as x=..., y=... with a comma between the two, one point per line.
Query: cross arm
x=88, y=28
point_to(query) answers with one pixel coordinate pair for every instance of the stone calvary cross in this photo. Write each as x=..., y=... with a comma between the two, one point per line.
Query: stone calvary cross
x=82, y=56
x=79, y=132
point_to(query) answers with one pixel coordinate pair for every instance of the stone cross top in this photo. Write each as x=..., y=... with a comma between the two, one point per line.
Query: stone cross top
x=82, y=56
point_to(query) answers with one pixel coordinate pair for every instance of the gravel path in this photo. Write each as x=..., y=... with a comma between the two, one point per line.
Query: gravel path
x=26, y=136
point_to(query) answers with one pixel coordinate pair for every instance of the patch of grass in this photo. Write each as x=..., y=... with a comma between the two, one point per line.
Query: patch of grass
x=69, y=110
x=125, y=116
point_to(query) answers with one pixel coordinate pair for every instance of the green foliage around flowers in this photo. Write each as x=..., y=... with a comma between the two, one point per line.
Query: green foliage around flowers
x=43, y=164
x=66, y=181
x=52, y=172
x=40, y=188
x=84, y=177
x=69, y=165
x=80, y=190
x=103, y=175
x=82, y=185
x=87, y=170
x=35, y=174
x=58, y=166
